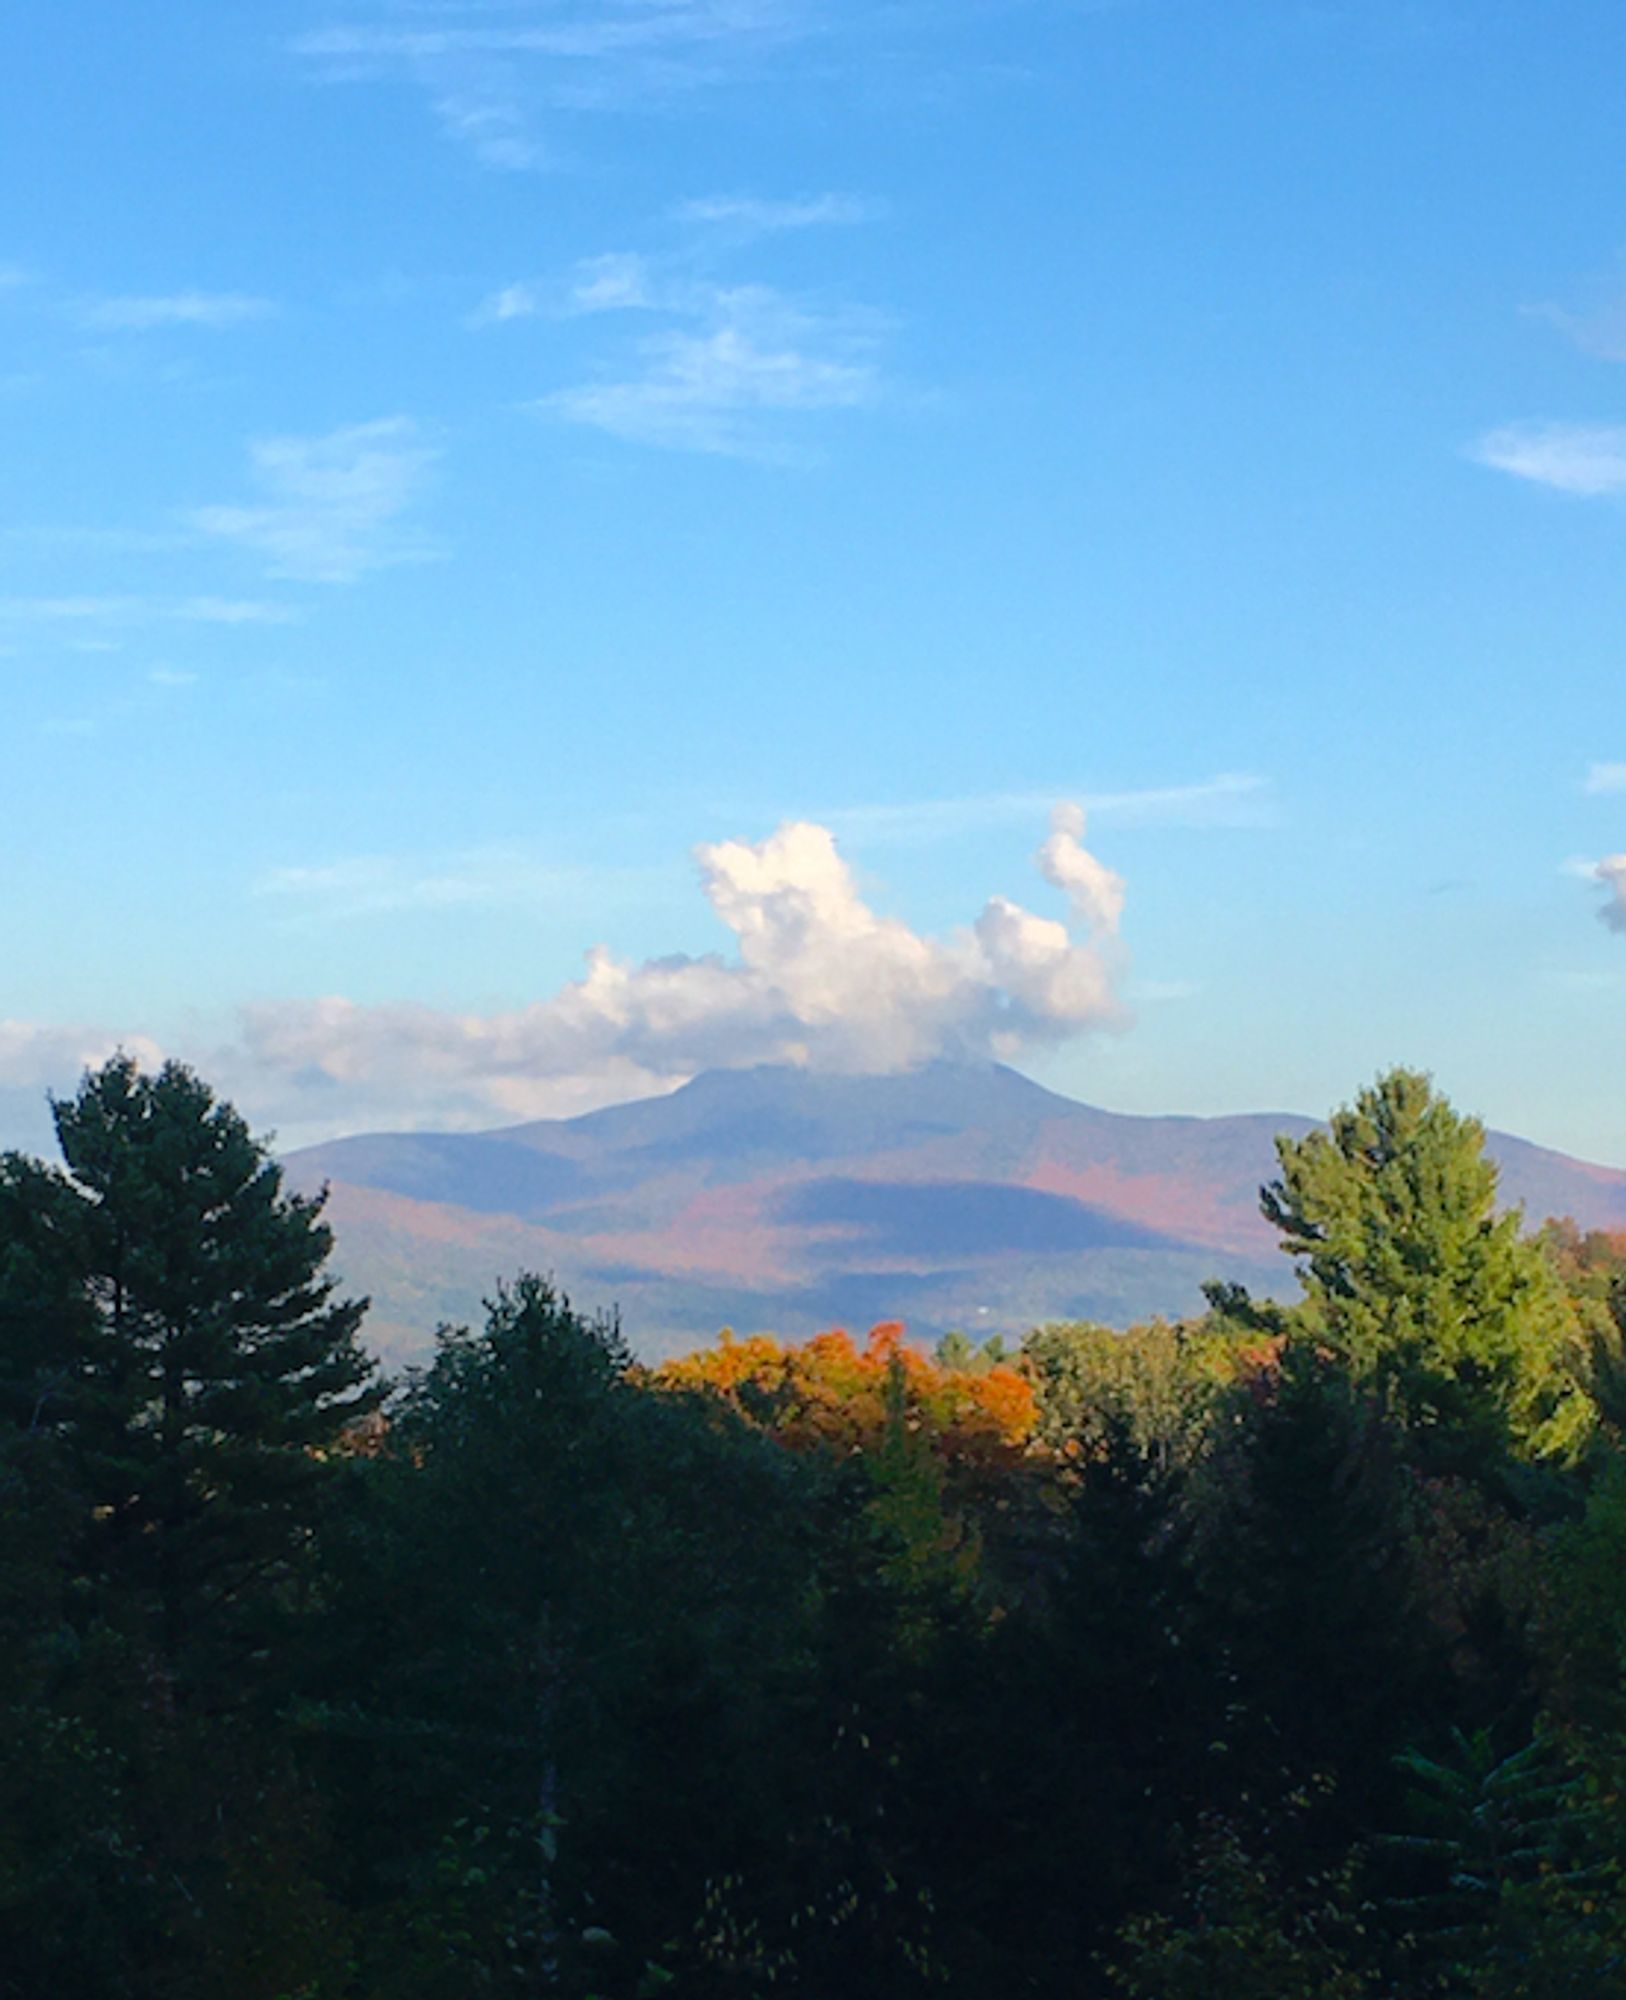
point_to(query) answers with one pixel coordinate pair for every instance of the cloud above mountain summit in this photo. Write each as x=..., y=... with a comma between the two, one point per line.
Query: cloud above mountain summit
x=816, y=977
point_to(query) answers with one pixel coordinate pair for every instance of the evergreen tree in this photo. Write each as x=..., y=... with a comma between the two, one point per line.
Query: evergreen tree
x=1132, y=1702
x=173, y=1368
x=1512, y=1876
x=167, y=1316
x=566, y=1609
x=1415, y=1282
x=1083, y=1717
x=1314, y=1616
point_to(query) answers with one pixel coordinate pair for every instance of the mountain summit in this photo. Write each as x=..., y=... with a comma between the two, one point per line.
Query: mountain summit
x=952, y=1195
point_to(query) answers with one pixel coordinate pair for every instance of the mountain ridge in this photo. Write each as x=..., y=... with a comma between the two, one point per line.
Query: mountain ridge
x=790, y=1199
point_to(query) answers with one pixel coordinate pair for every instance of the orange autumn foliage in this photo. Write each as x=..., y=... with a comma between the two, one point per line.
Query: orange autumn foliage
x=829, y=1391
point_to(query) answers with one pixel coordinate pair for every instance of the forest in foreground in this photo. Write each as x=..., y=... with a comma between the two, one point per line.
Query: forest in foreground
x=1278, y=1654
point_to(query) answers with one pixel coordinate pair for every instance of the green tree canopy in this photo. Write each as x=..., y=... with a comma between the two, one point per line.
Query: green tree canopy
x=1159, y=1381
x=1414, y=1281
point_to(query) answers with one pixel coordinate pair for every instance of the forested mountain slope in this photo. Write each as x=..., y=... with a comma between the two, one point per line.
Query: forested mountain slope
x=955, y=1195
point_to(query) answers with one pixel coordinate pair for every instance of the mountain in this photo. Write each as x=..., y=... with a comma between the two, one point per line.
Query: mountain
x=955, y=1195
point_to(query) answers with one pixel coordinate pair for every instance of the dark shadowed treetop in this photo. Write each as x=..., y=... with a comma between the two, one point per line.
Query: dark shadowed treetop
x=208, y=1278
x=168, y=1320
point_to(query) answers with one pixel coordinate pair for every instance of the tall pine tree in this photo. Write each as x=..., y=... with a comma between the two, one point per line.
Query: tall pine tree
x=167, y=1315
x=1415, y=1282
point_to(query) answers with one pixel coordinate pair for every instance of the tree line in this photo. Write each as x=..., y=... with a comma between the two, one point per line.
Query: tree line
x=1274, y=1654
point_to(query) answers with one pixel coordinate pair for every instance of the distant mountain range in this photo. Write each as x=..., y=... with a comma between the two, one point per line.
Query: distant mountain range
x=777, y=1199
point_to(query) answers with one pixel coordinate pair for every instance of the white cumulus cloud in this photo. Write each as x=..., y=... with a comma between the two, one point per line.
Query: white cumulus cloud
x=38, y=1058
x=34, y=1055
x=1096, y=894
x=816, y=977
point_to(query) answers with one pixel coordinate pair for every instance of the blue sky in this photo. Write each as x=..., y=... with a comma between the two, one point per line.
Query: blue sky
x=461, y=459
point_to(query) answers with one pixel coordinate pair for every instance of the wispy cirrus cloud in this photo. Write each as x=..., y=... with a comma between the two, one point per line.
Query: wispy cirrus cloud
x=70, y=610
x=213, y=311
x=1230, y=799
x=730, y=368
x=630, y=281
x=114, y=609
x=137, y=312
x=491, y=73
x=618, y=281
x=753, y=215
x=331, y=508
x=1600, y=332
x=1604, y=778
x=625, y=281
x=79, y=536
x=1595, y=322
x=508, y=302
x=1584, y=459
x=488, y=115
x=582, y=32
x=740, y=362
x=234, y=611
x=149, y=697
x=378, y=884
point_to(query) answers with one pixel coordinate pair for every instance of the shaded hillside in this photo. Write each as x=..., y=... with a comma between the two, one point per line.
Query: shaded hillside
x=775, y=1198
